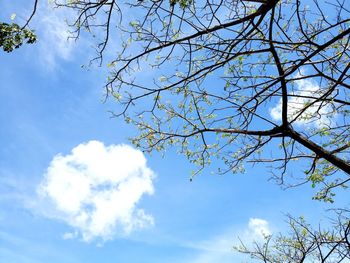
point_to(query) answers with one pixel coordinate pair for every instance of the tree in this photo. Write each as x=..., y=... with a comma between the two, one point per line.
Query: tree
x=12, y=36
x=234, y=79
x=305, y=244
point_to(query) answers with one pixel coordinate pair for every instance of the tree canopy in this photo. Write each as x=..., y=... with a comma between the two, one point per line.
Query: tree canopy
x=232, y=80
x=257, y=81
x=12, y=36
x=305, y=243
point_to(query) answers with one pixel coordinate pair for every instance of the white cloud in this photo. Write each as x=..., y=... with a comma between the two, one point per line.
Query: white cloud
x=258, y=228
x=96, y=188
x=319, y=114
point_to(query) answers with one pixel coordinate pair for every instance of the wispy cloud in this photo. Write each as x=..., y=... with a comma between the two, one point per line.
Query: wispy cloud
x=96, y=189
x=219, y=248
x=53, y=33
x=17, y=247
x=319, y=113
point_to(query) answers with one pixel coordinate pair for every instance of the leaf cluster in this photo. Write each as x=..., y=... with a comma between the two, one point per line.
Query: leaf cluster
x=12, y=36
x=304, y=243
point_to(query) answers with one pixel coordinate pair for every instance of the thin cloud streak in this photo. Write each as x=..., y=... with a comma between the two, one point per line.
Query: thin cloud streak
x=53, y=33
x=220, y=248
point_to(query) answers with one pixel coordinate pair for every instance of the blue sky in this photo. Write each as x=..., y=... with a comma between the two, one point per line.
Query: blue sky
x=49, y=105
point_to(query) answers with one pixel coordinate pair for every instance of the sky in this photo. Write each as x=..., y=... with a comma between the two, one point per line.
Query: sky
x=73, y=188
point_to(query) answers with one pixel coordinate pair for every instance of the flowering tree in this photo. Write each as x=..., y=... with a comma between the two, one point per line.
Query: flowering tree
x=259, y=81
x=232, y=78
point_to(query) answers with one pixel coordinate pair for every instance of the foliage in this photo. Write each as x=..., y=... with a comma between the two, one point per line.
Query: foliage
x=231, y=80
x=12, y=36
x=304, y=243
